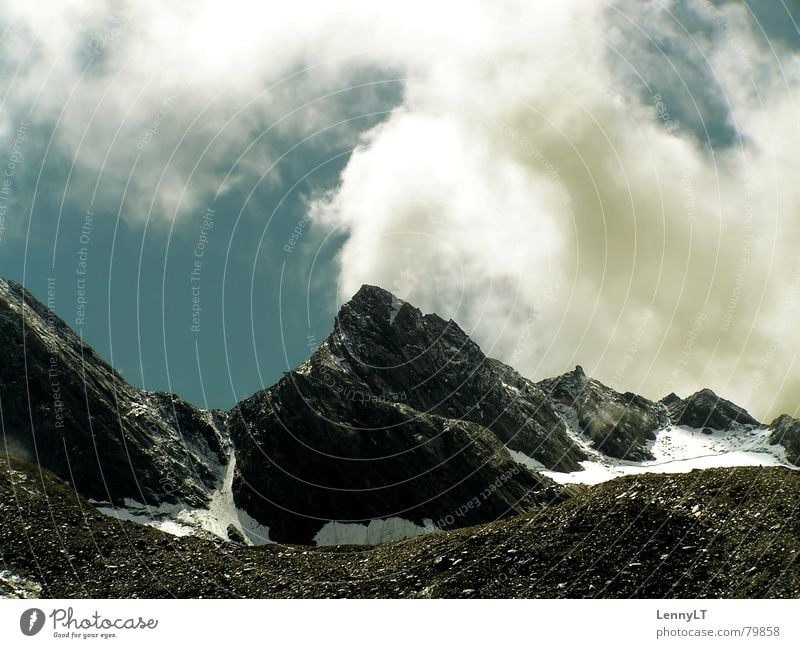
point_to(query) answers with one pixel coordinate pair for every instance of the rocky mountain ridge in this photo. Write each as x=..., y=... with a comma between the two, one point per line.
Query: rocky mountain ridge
x=65, y=408
x=397, y=424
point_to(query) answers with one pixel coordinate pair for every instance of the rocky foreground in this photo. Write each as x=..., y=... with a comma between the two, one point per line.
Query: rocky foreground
x=717, y=533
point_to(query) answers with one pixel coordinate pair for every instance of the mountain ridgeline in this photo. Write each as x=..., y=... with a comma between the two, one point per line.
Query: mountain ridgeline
x=396, y=416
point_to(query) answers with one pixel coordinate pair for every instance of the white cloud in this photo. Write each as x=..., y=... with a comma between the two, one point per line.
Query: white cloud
x=180, y=89
x=526, y=187
x=563, y=218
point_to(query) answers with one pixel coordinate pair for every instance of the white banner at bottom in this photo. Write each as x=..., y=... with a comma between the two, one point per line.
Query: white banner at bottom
x=349, y=624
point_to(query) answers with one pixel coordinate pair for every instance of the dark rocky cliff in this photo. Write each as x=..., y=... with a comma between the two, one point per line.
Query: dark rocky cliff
x=66, y=409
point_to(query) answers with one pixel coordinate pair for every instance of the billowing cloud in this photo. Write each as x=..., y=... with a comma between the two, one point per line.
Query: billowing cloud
x=608, y=186
x=176, y=100
x=574, y=182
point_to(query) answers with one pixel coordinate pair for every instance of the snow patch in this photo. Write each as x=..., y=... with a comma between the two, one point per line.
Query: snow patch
x=569, y=416
x=376, y=532
x=181, y=521
x=680, y=450
x=525, y=460
x=255, y=532
x=221, y=512
x=154, y=517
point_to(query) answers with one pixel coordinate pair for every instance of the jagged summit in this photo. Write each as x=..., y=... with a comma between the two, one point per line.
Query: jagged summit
x=405, y=403
x=373, y=304
x=368, y=295
x=670, y=399
x=705, y=409
x=368, y=301
x=619, y=425
x=382, y=322
x=391, y=351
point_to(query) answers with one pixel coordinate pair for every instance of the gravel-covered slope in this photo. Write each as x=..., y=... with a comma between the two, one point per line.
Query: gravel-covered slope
x=713, y=533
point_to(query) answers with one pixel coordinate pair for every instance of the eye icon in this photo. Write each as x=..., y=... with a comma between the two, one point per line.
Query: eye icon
x=31, y=621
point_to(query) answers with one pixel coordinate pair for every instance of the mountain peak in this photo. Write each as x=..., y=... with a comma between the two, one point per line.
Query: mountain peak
x=370, y=292
x=368, y=296
x=706, y=410
x=382, y=330
x=372, y=303
x=619, y=425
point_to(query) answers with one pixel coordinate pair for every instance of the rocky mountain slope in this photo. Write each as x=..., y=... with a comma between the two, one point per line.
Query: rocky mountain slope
x=396, y=425
x=67, y=409
x=618, y=425
x=785, y=431
x=709, y=534
x=707, y=411
x=396, y=414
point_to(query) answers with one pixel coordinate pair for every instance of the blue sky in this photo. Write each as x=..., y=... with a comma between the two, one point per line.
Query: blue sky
x=136, y=276
x=508, y=167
